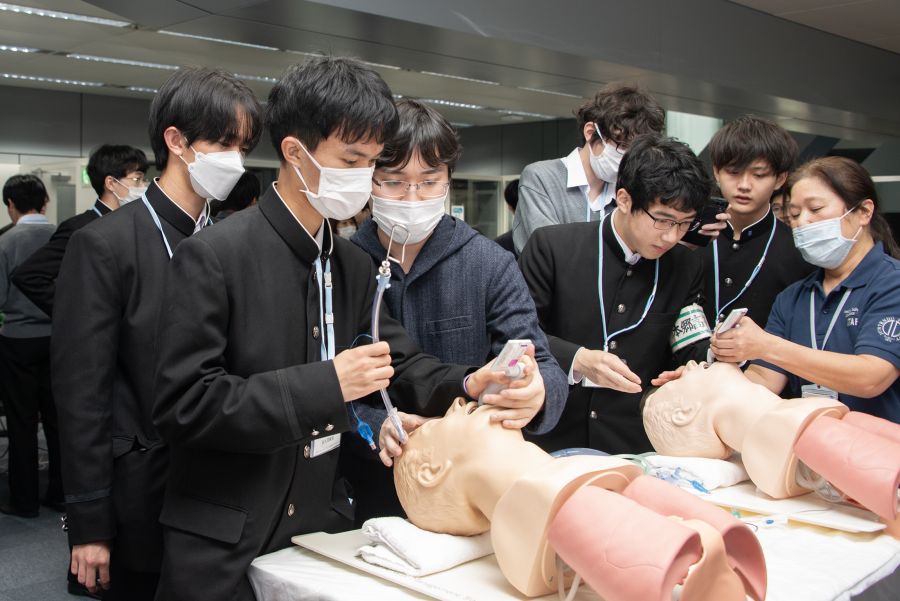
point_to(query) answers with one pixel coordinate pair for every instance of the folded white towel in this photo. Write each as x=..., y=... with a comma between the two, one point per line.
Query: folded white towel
x=710, y=473
x=403, y=547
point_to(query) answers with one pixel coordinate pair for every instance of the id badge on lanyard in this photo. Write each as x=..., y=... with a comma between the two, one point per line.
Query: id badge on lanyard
x=326, y=444
x=814, y=390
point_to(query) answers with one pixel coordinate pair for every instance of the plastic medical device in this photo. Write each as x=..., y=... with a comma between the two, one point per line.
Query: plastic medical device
x=507, y=362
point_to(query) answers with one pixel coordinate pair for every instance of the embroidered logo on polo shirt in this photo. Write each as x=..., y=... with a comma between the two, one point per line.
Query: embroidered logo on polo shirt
x=852, y=316
x=889, y=329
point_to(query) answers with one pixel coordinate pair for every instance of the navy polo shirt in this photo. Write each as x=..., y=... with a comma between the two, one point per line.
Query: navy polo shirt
x=868, y=324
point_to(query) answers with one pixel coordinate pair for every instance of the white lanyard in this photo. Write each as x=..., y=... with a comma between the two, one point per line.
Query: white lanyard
x=326, y=314
x=159, y=225
x=608, y=337
x=96, y=210
x=812, y=318
x=753, y=274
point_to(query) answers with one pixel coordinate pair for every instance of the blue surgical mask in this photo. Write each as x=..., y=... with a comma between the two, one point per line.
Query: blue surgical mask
x=822, y=243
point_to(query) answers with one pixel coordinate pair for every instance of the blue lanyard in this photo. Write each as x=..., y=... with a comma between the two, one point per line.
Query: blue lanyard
x=155, y=218
x=608, y=337
x=326, y=313
x=587, y=199
x=753, y=274
x=812, y=318
x=96, y=210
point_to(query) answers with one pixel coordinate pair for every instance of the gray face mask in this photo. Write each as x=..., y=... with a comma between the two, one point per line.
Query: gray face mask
x=822, y=243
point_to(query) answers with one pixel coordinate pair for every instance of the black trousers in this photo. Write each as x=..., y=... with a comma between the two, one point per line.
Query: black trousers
x=25, y=385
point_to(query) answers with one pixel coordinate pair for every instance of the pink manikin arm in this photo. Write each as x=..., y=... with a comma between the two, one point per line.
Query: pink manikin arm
x=873, y=424
x=859, y=462
x=625, y=552
x=744, y=553
x=711, y=577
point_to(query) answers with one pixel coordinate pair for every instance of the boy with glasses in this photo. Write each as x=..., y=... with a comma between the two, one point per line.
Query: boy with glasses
x=617, y=298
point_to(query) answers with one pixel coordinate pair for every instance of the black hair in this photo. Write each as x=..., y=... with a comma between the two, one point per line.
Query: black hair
x=114, y=160
x=511, y=194
x=663, y=169
x=327, y=95
x=204, y=104
x=26, y=192
x=749, y=138
x=421, y=129
x=621, y=111
x=240, y=197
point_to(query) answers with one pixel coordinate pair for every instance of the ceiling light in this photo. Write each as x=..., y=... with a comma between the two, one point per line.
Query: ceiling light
x=549, y=92
x=461, y=105
x=382, y=66
x=219, y=40
x=526, y=114
x=21, y=49
x=484, y=81
x=142, y=89
x=265, y=78
x=54, y=14
x=68, y=82
x=122, y=61
x=459, y=125
x=304, y=53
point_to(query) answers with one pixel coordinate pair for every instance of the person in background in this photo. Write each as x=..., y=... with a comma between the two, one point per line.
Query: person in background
x=835, y=333
x=202, y=123
x=117, y=175
x=511, y=196
x=460, y=297
x=582, y=186
x=25, y=355
x=779, y=204
x=244, y=194
x=345, y=228
x=754, y=257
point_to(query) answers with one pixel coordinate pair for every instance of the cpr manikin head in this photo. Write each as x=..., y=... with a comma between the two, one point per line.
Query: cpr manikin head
x=442, y=465
x=678, y=416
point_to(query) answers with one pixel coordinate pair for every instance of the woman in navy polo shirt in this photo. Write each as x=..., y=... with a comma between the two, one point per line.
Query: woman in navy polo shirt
x=851, y=303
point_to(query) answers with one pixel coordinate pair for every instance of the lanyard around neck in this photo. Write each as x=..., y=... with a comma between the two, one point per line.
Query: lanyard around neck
x=607, y=337
x=753, y=274
x=96, y=210
x=326, y=312
x=812, y=318
x=156, y=221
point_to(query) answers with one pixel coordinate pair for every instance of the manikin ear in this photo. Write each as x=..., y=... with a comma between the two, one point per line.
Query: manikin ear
x=175, y=141
x=684, y=414
x=430, y=475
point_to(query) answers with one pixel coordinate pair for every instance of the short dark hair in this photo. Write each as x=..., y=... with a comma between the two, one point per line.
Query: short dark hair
x=114, y=160
x=244, y=191
x=204, y=104
x=663, y=169
x=327, y=95
x=749, y=138
x=424, y=130
x=27, y=193
x=511, y=194
x=621, y=111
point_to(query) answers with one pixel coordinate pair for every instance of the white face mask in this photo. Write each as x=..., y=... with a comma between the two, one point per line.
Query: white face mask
x=134, y=192
x=214, y=174
x=822, y=243
x=342, y=192
x=418, y=217
x=346, y=231
x=606, y=164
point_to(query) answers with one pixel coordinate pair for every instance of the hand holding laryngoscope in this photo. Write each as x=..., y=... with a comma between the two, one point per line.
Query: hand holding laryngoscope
x=508, y=363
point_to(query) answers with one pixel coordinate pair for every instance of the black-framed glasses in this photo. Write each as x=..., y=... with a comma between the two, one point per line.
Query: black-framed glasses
x=394, y=188
x=667, y=224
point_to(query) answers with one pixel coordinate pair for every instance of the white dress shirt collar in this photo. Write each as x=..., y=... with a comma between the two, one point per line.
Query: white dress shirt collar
x=630, y=257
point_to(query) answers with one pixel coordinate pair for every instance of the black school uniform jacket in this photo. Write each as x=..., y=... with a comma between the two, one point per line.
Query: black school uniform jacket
x=36, y=276
x=108, y=294
x=242, y=392
x=560, y=264
x=737, y=259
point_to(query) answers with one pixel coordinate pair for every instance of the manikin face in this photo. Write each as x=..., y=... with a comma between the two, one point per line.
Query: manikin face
x=434, y=476
x=749, y=190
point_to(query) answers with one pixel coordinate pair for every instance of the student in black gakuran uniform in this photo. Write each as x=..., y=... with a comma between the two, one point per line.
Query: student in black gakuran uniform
x=255, y=361
x=109, y=293
x=612, y=334
x=754, y=258
x=117, y=175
